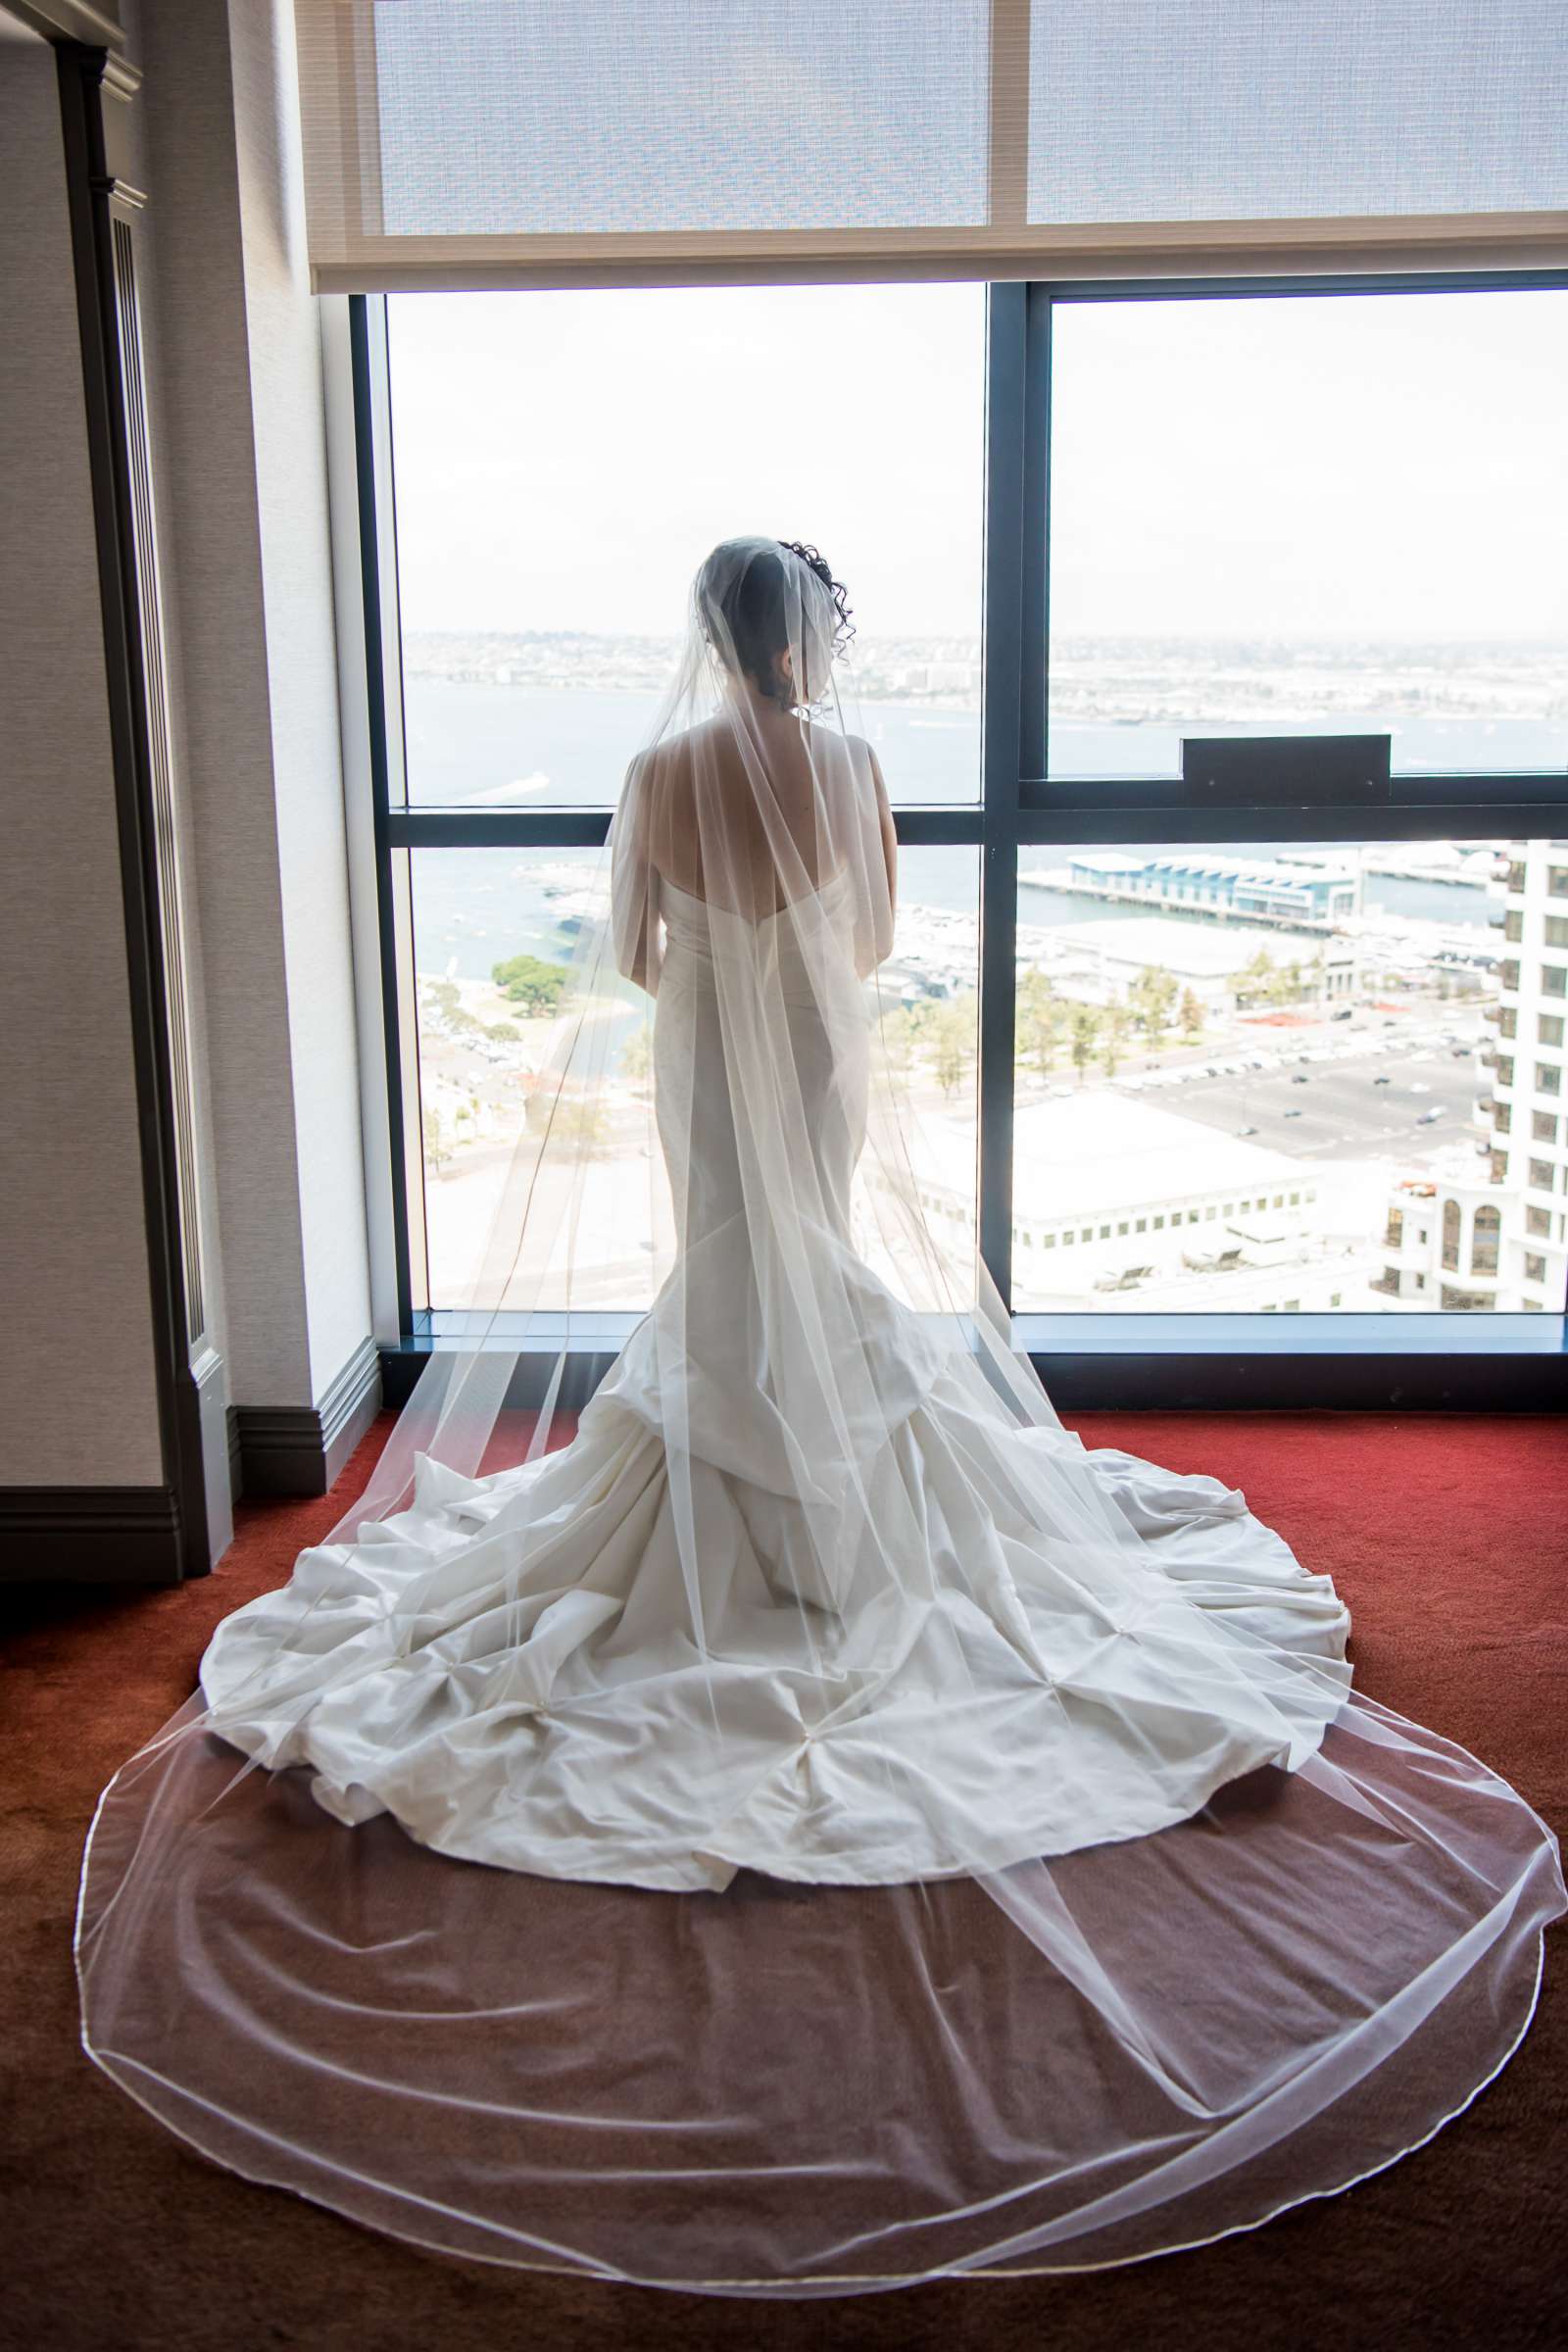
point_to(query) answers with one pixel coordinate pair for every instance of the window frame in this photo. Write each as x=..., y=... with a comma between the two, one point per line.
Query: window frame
x=1214, y=1358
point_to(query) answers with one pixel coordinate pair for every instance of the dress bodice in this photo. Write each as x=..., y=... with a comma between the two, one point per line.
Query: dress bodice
x=695, y=930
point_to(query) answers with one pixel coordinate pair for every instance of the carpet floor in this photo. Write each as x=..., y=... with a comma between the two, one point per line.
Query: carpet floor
x=1447, y=1537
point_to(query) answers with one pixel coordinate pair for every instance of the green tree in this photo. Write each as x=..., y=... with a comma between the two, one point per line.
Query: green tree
x=581, y=1123
x=1257, y=979
x=1153, y=997
x=904, y=1033
x=1084, y=1035
x=447, y=1003
x=436, y=1149
x=637, y=1056
x=570, y=1118
x=1190, y=1014
x=531, y=982
x=950, y=1031
x=1041, y=1017
x=1118, y=1020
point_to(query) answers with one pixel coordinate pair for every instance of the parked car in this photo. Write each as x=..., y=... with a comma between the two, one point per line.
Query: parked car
x=1428, y=1117
x=1382, y=1079
x=1247, y=1130
x=1300, y=1078
x=1293, y=1114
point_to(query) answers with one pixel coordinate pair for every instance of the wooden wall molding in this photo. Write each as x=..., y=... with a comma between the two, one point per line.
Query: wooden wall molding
x=73, y=20
x=90, y=1535
x=104, y=253
x=300, y=1448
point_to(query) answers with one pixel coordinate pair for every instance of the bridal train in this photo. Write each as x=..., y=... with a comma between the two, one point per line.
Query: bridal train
x=823, y=1827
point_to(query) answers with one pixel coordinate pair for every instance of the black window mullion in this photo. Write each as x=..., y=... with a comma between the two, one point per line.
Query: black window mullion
x=1167, y=820
x=368, y=359
x=919, y=826
x=1034, y=684
x=497, y=828
x=1003, y=645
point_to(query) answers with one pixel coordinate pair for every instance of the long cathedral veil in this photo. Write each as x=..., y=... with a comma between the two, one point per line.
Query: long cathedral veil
x=797, y=1822
x=777, y=811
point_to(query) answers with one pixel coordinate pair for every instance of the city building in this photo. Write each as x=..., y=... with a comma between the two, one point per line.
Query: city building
x=1113, y=1196
x=1492, y=1233
x=1442, y=1239
x=1098, y=961
x=1255, y=889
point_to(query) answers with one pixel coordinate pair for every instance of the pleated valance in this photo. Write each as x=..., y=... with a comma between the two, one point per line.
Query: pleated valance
x=558, y=142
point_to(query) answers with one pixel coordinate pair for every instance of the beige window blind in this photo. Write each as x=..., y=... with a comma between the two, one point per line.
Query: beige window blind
x=558, y=142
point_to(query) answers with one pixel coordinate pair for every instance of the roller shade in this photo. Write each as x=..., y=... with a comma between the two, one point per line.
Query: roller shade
x=558, y=142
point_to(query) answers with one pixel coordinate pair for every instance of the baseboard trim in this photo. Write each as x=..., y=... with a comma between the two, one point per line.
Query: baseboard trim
x=90, y=1535
x=300, y=1448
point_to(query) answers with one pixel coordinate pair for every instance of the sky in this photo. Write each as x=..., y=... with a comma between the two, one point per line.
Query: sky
x=1304, y=466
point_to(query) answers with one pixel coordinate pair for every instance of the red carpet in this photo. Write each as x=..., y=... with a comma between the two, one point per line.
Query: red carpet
x=1449, y=1539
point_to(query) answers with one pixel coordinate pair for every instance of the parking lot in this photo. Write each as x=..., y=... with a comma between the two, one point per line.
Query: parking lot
x=1327, y=1077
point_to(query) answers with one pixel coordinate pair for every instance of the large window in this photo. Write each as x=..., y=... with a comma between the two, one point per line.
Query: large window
x=1308, y=514
x=489, y=926
x=1237, y=1061
x=564, y=461
x=1189, y=1033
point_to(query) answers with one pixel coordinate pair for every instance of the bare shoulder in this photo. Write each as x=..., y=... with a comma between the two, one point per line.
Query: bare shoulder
x=665, y=767
x=674, y=758
x=853, y=751
x=868, y=771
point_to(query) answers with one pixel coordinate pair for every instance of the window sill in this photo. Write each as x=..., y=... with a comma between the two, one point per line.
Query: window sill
x=1421, y=1362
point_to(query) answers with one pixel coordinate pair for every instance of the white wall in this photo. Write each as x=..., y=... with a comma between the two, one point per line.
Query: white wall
x=288, y=409
x=240, y=393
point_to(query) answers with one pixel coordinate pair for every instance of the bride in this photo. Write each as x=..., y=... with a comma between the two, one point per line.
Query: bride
x=918, y=1846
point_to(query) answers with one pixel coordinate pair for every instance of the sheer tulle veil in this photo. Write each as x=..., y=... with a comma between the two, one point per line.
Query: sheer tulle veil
x=796, y=1821
x=780, y=815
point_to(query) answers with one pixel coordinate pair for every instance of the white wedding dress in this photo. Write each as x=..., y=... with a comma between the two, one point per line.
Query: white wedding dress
x=525, y=1690
x=821, y=1827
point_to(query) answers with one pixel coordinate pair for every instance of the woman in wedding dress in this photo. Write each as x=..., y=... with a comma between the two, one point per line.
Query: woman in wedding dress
x=821, y=1827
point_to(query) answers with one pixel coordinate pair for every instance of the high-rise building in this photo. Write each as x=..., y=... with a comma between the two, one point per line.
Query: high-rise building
x=1493, y=1234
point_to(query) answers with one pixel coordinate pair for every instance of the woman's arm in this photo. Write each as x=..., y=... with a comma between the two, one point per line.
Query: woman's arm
x=634, y=881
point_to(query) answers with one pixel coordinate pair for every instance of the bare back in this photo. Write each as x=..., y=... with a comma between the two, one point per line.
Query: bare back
x=776, y=806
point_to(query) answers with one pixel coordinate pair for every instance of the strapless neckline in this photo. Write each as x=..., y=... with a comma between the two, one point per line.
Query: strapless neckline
x=831, y=888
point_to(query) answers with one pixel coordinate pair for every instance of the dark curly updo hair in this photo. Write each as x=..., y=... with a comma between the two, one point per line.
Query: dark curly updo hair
x=752, y=604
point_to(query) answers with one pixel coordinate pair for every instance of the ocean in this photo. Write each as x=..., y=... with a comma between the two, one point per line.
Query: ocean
x=471, y=746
